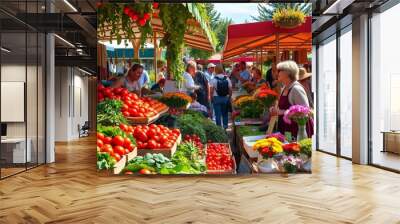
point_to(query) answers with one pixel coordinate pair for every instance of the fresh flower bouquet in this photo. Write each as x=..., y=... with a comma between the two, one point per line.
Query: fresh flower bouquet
x=268, y=147
x=291, y=148
x=306, y=147
x=297, y=113
x=291, y=163
x=242, y=99
x=278, y=136
x=266, y=95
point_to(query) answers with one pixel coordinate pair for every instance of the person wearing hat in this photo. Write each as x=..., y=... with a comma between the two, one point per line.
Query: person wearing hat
x=305, y=81
x=210, y=71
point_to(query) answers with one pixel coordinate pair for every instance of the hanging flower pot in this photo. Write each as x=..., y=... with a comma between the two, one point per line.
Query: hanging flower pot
x=288, y=18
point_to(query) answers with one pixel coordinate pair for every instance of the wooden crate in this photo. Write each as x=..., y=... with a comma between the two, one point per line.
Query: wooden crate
x=219, y=172
x=147, y=120
x=119, y=166
x=166, y=152
x=131, y=155
x=233, y=171
x=227, y=144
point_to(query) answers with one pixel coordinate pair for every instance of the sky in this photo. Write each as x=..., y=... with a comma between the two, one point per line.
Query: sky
x=238, y=12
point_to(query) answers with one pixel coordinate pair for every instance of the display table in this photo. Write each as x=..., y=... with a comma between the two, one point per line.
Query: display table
x=391, y=141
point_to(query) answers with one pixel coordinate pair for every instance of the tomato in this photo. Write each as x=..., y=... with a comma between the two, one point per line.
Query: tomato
x=167, y=145
x=151, y=133
x=118, y=140
x=127, y=151
x=107, y=140
x=130, y=129
x=128, y=173
x=156, y=138
x=141, y=136
x=100, y=136
x=131, y=147
x=123, y=127
x=100, y=87
x=124, y=92
x=107, y=148
x=163, y=138
x=176, y=131
x=118, y=90
x=145, y=171
x=100, y=143
x=127, y=143
x=152, y=144
x=126, y=114
x=125, y=107
x=116, y=156
x=119, y=149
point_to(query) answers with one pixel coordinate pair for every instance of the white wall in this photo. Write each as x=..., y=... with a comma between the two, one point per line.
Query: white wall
x=71, y=102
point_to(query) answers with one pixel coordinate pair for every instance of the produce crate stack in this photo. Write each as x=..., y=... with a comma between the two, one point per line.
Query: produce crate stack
x=219, y=159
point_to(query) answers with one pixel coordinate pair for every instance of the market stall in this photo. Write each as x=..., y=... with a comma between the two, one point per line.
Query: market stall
x=258, y=143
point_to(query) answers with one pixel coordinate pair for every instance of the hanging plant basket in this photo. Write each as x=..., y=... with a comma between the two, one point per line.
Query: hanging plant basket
x=288, y=18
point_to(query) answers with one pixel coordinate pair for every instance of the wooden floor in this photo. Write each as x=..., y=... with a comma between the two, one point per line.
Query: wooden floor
x=71, y=191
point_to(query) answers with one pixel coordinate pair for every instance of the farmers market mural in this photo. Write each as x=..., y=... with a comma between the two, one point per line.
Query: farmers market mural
x=185, y=89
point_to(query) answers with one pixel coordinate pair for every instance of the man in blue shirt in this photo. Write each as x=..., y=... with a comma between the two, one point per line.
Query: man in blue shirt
x=144, y=78
x=244, y=75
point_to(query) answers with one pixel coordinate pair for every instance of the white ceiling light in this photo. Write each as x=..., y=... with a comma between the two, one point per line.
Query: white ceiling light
x=70, y=5
x=5, y=50
x=65, y=41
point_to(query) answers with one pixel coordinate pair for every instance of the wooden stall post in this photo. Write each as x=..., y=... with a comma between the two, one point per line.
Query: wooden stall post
x=274, y=119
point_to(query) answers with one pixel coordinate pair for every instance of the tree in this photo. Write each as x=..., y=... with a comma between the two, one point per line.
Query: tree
x=219, y=26
x=213, y=15
x=266, y=11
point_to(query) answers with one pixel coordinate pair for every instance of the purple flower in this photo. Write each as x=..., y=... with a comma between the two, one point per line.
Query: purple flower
x=297, y=113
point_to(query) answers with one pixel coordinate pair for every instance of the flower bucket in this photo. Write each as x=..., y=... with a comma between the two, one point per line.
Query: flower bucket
x=267, y=165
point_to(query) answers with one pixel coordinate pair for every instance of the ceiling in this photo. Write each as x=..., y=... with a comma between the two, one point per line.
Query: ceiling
x=73, y=20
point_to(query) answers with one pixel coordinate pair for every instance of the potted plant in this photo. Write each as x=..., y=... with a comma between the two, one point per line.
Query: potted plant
x=288, y=18
x=267, y=149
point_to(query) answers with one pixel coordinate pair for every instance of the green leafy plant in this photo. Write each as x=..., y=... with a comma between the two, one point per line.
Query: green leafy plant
x=105, y=161
x=112, y=131
x=174, y=18
x=251, y=130
x=109, y=113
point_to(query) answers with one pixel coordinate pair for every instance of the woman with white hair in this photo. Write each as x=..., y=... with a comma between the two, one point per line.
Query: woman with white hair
x=189, y=85
x=293, y=93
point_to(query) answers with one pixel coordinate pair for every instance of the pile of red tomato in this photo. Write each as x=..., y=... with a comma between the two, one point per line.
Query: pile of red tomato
x=116, y=146
x=195, y=139
x=133, y=105
x=155, y=136
x=219, y=157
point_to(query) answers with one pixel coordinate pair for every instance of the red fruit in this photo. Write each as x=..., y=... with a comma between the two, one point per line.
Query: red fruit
x=118, y=140
x=131, y=147
x=145, y=171
x=127, y=10
x=142, y=22
x=100, y=87
x=134, y=17
x=127, y=143
x=123, y=127
x=107, y=148
x=128, y=173
x=100, y=143
x=127, y=151
x=116, y=156
x=146, y=16
x=152, y=144
x=126, y=114
x=155, y=5
x=107, y=140
x=119, y=149
x=100, y=136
